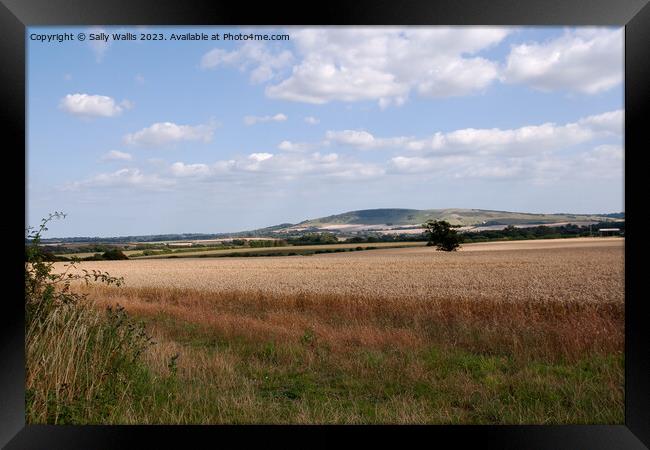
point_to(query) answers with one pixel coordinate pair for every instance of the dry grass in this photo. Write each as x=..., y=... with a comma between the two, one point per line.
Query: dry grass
x=491, y=334
x=553, y=330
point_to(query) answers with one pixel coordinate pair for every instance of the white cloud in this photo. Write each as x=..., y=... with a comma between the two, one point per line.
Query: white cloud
x=417, y=164
x=523, y=140
x=530, y=152
x=87, y=105
x=163, y=133
x=179, y=169
x=116, y=155
x=312, y=120
x=261, y=168
x=587, y=60
x=330, y=157
x=252, y=120
x=610, y=122
x=254, y=56
x=604, y=161
x=288, y=146
x=363, y=139
x=260, y=156
x=386, y=64
x=122, y=178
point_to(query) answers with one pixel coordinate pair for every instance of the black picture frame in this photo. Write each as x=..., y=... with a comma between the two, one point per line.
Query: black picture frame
x=16, y=15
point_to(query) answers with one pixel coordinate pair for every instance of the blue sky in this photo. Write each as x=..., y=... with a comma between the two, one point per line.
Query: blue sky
x=148, y=137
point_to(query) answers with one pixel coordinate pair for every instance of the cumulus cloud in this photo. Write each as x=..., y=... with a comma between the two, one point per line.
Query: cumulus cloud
x=122, y=178
x=386, y=64
x=389, y=64
x=604, y=161
x=254, y=56
x=523, y=140
x=312, y=120
x=418, y=164
x=610, y=122
x=363, y=139
x=267, y=167
x=163, y=133
x=87, y=105
x=288, y=146
x=252, y=120
x=587, y=60
x=535, y=152
x=258, y=157
x=179, y=169
x=116, y=155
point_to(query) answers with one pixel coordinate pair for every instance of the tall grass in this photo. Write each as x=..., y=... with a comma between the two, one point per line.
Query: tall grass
x=258, y=358
x=527, y=329
x=81, y=361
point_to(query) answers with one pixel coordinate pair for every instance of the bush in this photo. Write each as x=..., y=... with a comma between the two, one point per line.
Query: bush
x=114, y=255
x=82, y=363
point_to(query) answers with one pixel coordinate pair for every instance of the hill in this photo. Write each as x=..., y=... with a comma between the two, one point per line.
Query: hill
x=390, y=217
x=383, y=221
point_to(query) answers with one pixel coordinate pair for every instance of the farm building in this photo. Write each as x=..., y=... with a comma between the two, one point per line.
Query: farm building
x=609, y=231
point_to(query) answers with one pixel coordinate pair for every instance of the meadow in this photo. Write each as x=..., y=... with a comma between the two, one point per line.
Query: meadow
x=245, y=251
x=526, y=332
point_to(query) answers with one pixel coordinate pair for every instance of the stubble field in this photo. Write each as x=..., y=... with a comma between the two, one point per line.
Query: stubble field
x=508, y=332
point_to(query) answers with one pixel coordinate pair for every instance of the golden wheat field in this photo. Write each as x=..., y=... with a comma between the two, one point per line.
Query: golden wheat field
x=501, y=332
x=585, y=270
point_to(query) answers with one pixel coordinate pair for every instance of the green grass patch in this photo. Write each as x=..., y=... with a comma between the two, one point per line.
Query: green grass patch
x=304, y=381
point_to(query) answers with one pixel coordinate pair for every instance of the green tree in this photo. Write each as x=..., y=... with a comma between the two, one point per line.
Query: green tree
x=114, y=254
x=442, y=234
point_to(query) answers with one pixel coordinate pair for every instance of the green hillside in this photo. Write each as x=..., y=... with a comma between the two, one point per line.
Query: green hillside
x=397, y=216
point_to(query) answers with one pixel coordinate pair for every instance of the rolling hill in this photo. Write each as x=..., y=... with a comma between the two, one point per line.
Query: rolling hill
x=392, y=218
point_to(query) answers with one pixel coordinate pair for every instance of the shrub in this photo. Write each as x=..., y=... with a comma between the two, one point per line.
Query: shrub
x=114, y=254
x=81, y=362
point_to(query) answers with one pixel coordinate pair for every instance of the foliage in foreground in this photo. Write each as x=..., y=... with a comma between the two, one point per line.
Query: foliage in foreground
x=82, y=363
x=259, y=358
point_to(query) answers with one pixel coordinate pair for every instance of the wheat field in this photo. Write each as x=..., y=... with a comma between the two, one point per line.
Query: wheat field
x=502, y=332
x=584, y=270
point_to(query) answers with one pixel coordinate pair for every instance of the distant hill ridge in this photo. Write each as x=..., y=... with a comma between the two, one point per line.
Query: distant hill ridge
x=373, y=219
x=456, y=216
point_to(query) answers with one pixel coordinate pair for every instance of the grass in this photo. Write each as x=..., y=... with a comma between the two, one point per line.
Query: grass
x=254, y=251
x=289, y=250
x=246, y=358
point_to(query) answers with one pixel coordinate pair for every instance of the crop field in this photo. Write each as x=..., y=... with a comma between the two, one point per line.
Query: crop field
x=206, y=252
x=501, y=332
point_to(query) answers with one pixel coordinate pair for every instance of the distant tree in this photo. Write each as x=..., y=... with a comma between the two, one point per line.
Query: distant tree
x=114, y=254
x=442, y=234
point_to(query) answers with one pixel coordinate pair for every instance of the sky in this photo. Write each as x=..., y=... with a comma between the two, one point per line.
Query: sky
x=207, y=136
